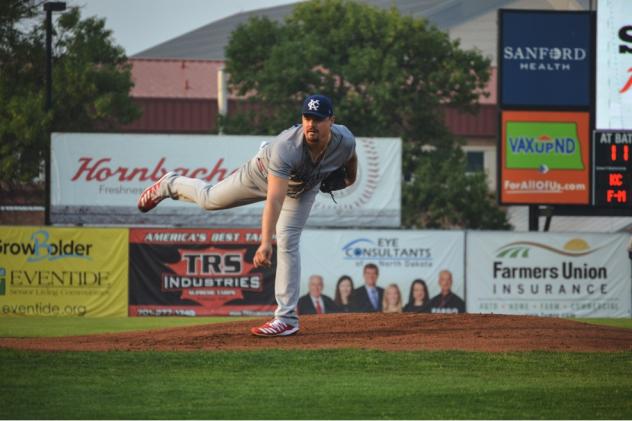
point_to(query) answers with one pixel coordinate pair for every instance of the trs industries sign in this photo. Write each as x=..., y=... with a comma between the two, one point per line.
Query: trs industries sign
x=544, y=158
x=189, y=272
x=63, y=271
x=545, y=58
x=614, y=65
x=565, y=275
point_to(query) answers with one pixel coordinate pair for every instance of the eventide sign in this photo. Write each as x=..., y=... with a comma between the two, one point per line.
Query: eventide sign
x=564, y=275
x=614, y=65
x=188, y=272
x=542, y=62
x=544, y=157
x=97, y=178
x=71, y=272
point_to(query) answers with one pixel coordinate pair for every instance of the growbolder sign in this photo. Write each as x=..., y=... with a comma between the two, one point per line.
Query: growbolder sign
x=63, y=272
x=192, y=272
x=566, y=275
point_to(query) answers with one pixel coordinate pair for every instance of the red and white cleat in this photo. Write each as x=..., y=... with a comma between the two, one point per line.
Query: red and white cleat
x=274, y=328
x=153, y=195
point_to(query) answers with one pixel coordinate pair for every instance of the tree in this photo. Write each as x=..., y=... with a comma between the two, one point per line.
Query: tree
x=449, y=196
x=91, y=84
x=388, y=74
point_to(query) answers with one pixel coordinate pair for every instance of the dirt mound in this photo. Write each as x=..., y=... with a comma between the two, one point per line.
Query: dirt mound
x=390, y=332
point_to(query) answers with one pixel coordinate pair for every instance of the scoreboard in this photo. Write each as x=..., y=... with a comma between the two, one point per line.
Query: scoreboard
x=612, y=169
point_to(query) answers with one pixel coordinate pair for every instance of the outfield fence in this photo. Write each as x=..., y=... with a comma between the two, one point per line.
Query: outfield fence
x=99, y=272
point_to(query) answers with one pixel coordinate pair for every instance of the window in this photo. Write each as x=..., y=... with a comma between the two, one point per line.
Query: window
x=475, y=161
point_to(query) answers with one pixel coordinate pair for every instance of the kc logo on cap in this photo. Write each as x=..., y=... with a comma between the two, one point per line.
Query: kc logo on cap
x=318, y=105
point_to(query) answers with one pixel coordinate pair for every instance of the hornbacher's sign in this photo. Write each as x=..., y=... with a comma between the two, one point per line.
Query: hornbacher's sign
x=101, y=169
x=97, y=178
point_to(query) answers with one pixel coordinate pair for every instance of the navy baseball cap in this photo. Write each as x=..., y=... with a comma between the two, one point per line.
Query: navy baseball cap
x=318, y=105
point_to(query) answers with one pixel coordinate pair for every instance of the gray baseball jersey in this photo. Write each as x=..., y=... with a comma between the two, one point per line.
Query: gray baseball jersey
x=288, y=157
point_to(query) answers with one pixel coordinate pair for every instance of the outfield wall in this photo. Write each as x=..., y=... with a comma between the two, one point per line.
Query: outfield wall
x=99, y=272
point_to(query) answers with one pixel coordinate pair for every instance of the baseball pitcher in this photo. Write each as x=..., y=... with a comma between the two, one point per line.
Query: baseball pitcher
x=287, y=173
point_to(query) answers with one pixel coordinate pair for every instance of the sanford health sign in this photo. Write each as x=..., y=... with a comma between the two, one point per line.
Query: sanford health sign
x=545, y=58
x=63, y=271
x=566, y=275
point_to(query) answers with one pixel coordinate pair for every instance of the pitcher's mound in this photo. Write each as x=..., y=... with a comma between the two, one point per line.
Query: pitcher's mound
x=390, y=332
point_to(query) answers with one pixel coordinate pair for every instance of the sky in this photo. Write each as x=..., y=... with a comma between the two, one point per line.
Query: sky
x=140, y=24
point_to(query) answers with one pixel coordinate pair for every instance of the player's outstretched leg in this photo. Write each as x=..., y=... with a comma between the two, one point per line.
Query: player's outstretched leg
x=155, y=193
x=235, y=190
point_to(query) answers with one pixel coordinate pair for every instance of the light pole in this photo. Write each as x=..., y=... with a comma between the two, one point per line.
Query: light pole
x=49, y=8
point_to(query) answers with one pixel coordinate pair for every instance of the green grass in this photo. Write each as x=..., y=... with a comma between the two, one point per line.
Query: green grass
x=626, y=323
x=315, y=384
x=62, y=326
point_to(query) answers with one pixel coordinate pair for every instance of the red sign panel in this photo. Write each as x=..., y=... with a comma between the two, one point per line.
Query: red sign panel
x=194, y=272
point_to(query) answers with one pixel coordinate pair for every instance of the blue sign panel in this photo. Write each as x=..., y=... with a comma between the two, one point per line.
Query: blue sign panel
x=545, y=58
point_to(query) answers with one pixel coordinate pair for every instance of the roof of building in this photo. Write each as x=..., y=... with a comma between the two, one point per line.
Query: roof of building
x=474, y=22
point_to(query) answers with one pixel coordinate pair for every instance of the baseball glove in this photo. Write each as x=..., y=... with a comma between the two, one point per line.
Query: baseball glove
x=334, y=181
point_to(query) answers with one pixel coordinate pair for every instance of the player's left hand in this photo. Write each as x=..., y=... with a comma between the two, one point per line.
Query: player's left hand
x=263, y=256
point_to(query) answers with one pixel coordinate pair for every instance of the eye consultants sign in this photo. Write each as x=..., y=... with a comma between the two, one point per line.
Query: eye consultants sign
x=401, y=256
x=545, y=58
x=614, y=65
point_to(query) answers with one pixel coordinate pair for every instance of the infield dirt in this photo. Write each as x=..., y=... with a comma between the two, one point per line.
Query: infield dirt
x=389, y=332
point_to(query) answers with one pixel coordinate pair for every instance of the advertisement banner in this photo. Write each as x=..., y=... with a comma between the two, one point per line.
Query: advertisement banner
x=97, y=178
x=69, y=272
x=544, y=158
x=563, y=275
x=550, y=66
x=614, y=65
x=198, y=272
x=401, y=258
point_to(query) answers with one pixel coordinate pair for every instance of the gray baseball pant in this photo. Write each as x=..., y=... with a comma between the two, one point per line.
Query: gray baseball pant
x=239, y=189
